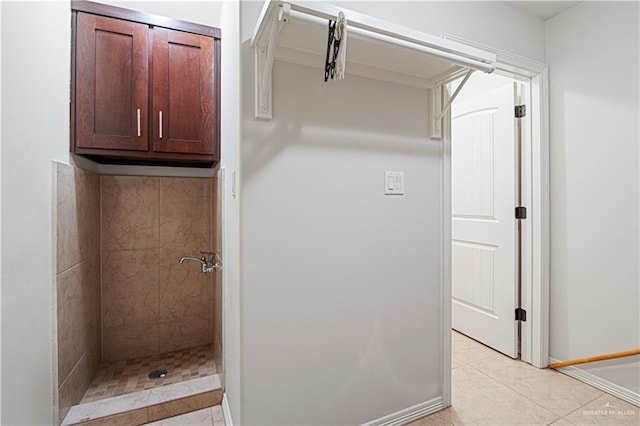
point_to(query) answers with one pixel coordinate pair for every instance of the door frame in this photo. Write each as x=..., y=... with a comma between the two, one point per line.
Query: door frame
x=535, y=232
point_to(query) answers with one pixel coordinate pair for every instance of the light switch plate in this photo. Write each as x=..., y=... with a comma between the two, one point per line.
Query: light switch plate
x=393, y=183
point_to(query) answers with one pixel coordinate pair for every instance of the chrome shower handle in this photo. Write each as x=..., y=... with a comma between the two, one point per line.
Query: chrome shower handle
x=193, y=258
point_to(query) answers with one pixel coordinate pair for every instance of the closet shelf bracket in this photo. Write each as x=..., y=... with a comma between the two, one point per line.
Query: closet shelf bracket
x=438, y=111
x=264, y=45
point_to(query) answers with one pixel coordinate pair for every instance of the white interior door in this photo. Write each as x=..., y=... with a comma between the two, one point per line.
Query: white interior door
x=483, y=219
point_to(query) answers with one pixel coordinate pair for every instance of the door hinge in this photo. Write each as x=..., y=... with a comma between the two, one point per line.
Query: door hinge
x=521, y=314
x=521, y=212
x=521, y=111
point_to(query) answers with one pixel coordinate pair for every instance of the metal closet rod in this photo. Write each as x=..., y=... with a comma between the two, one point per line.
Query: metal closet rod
x=370, y=32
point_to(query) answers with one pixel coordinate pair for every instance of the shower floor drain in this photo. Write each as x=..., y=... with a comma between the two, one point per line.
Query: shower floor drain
x=158, y=374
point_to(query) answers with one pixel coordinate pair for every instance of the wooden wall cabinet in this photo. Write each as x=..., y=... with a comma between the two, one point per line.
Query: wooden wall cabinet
x=145, y=89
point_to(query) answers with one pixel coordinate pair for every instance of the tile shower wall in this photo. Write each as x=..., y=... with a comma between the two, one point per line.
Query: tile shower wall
x=150, y=303
x=77, y=281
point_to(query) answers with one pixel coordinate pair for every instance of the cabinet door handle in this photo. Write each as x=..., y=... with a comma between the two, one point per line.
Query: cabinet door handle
x=138, y=122
x=160, y=114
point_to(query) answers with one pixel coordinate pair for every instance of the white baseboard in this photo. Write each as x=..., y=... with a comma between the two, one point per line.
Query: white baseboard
x=600, y=383
x=226, y=411
x=409, y=414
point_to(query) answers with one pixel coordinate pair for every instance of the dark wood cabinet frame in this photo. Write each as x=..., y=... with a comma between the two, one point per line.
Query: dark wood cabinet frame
x=149, y=156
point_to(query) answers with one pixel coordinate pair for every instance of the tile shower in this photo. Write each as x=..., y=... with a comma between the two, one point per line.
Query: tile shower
x=125, y=305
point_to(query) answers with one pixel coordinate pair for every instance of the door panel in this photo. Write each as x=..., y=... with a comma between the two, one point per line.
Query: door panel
x=473, y=192
x=483, y=223
x=183, y=102
x=474, y=284
x=112, y=85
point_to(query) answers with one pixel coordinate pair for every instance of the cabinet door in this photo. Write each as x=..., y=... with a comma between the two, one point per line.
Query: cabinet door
x=184, y=116
x=112, y=70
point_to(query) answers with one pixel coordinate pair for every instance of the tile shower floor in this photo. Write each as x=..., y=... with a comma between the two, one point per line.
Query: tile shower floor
x=127, y=376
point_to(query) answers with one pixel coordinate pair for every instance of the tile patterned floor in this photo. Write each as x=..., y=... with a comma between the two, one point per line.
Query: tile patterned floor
x=489, y=388
x=127, y=376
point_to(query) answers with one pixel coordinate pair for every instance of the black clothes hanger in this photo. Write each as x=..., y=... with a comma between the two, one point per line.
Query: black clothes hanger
x=329, y=64
x=337, y=32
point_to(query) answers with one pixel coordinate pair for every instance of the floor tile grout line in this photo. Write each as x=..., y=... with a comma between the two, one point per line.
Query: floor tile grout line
x=472, y=361
x=535, y=402
x=585, y=404
x=558, y=417
x=520, y=393
x=511, y=388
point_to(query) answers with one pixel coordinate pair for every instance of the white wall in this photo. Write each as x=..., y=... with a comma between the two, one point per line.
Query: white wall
x=341, y=284
x=593, y=55
x=199, y=12
x=231, y=212
x=35, y=131
x=0, y=218
x=340, y=288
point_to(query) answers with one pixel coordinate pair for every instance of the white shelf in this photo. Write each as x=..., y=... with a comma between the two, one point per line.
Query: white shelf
x=296, y=31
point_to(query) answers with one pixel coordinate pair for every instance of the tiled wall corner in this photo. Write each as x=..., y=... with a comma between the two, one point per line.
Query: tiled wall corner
x=73, y=388
x=78, y=215
x=77, y=282
x=151, y=303
x=216, y=199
